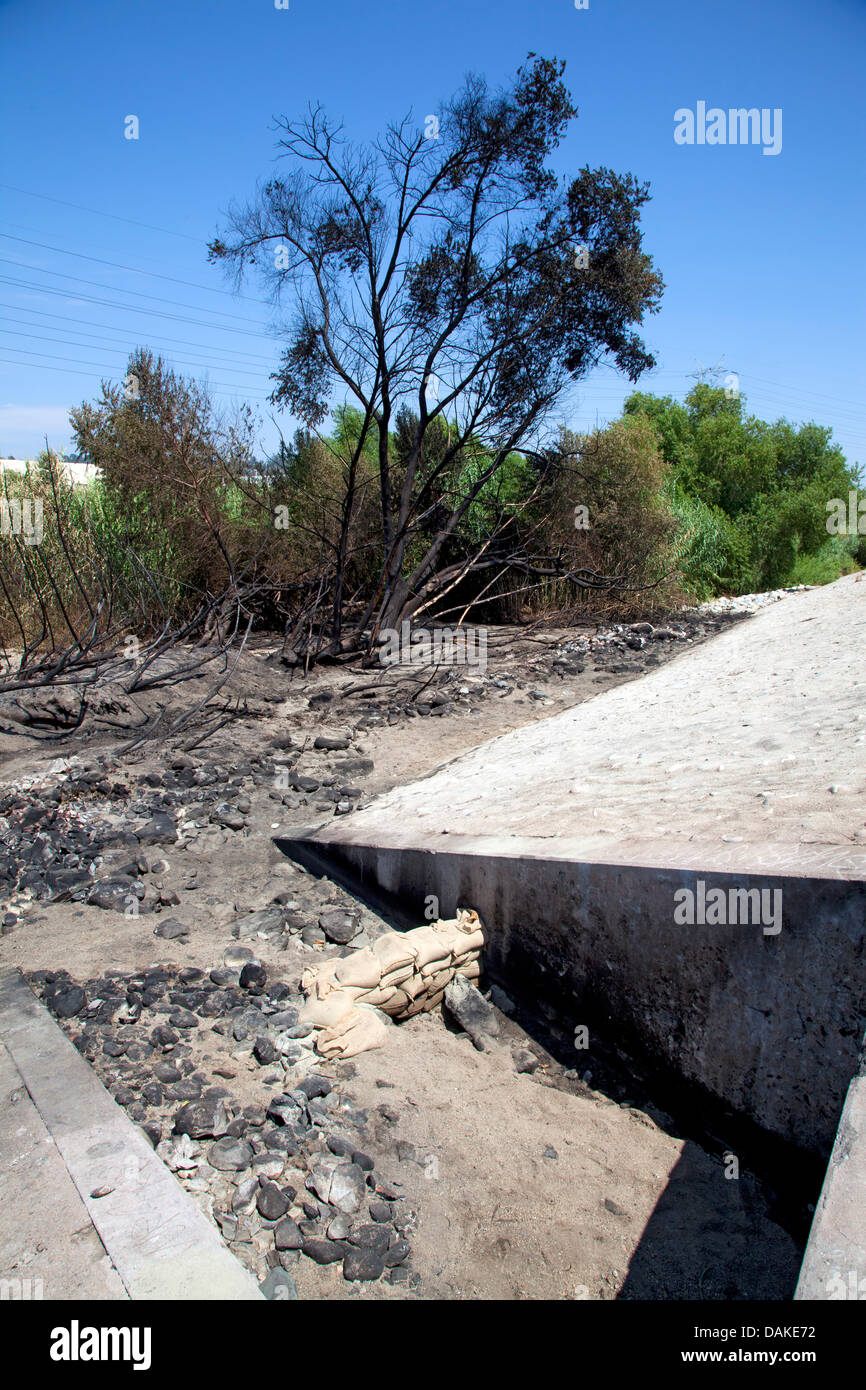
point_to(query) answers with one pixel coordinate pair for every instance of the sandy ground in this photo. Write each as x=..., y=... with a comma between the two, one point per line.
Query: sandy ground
x=628, y=1206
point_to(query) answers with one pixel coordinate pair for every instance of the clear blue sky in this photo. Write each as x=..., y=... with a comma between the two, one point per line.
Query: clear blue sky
x=762, y=255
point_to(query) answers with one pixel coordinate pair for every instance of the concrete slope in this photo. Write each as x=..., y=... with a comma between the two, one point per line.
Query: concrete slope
x=757, y=738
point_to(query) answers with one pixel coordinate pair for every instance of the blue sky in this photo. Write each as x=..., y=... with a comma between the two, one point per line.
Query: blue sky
x=762, y=255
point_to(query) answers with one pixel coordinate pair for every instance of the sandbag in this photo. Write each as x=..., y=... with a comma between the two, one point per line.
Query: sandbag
x=393, y=950
x=362, y=1030
x=324, y=1013
x=362, y=969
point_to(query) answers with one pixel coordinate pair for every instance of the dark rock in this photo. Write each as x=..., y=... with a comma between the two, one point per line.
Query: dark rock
x=470, y=1009
x=271, y=1202
x=361, y=1266
x=230, y=1155
x=371, y=1237
x=201, y=1120
x=228, y=816
x=171, y=929
x=379, y=1210
x=397, y=1253
x=324, y=1252
x=182, y=1018
x=314, y=1085
x=264, y=1051
x=339, y=926
x=159, y=830
x=336, y=744
x=114, y=894
x=288, y=1235
x=67, y=1002
x=253, y=974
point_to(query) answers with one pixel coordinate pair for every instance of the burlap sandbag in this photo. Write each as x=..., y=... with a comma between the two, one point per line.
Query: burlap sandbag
x=362, y=1030
x=397, y=975
x=427, y=945
x=434, y=983
x=362, y=969
x=424, y=1003
x=324, y=1013
x=397, y=1004
x=394, y=950
x=379, y=998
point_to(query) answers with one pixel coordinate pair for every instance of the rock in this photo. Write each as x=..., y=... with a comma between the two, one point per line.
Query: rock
x=371, y=1237
x=182, y=1018
x=337, y=744
x=503, y=1001
x=230, y=1155
x=288, y=1236
x=363, y=1161
x=253, y=974
x=283, y=1110
x=525, y=1061
x=339, y=1228
x=163, y=1036
x=271, y=1202
x=339, y=926
x=279, y=1286
x=264, y=1051
x=314, y=1085
x=348, y=1188
x=245, y=1193
x=159, y=830
x=379, y=1210
x=115, y=894
x=268, y=922
x=362, y=1265
x=397, y=1253
x=171, y=929
x=550, y=1152
x=324, y=1252
x=202, y=1119
x=67, y=1002
x=471, y=1010
x=236, y=957
x=228, y=816
x=223, y=977
x=301, y=783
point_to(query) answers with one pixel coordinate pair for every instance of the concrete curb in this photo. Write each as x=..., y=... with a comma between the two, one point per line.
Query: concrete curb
x=834, y=1265
x=160, y=1243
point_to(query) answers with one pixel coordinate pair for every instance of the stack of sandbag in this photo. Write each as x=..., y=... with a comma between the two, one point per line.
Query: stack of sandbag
x=400, y=975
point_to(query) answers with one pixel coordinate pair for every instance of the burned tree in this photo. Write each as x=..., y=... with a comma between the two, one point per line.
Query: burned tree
x=450, y=273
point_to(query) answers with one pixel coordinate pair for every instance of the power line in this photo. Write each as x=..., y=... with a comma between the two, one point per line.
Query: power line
x=129, y=308
x=116, y=289
x=115, y=217
x=87, y=323
x=66, y=342
x=132, y=269
x=53, y=357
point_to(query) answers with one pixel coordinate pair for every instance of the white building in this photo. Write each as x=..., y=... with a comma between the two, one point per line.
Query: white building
x=77, y=470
